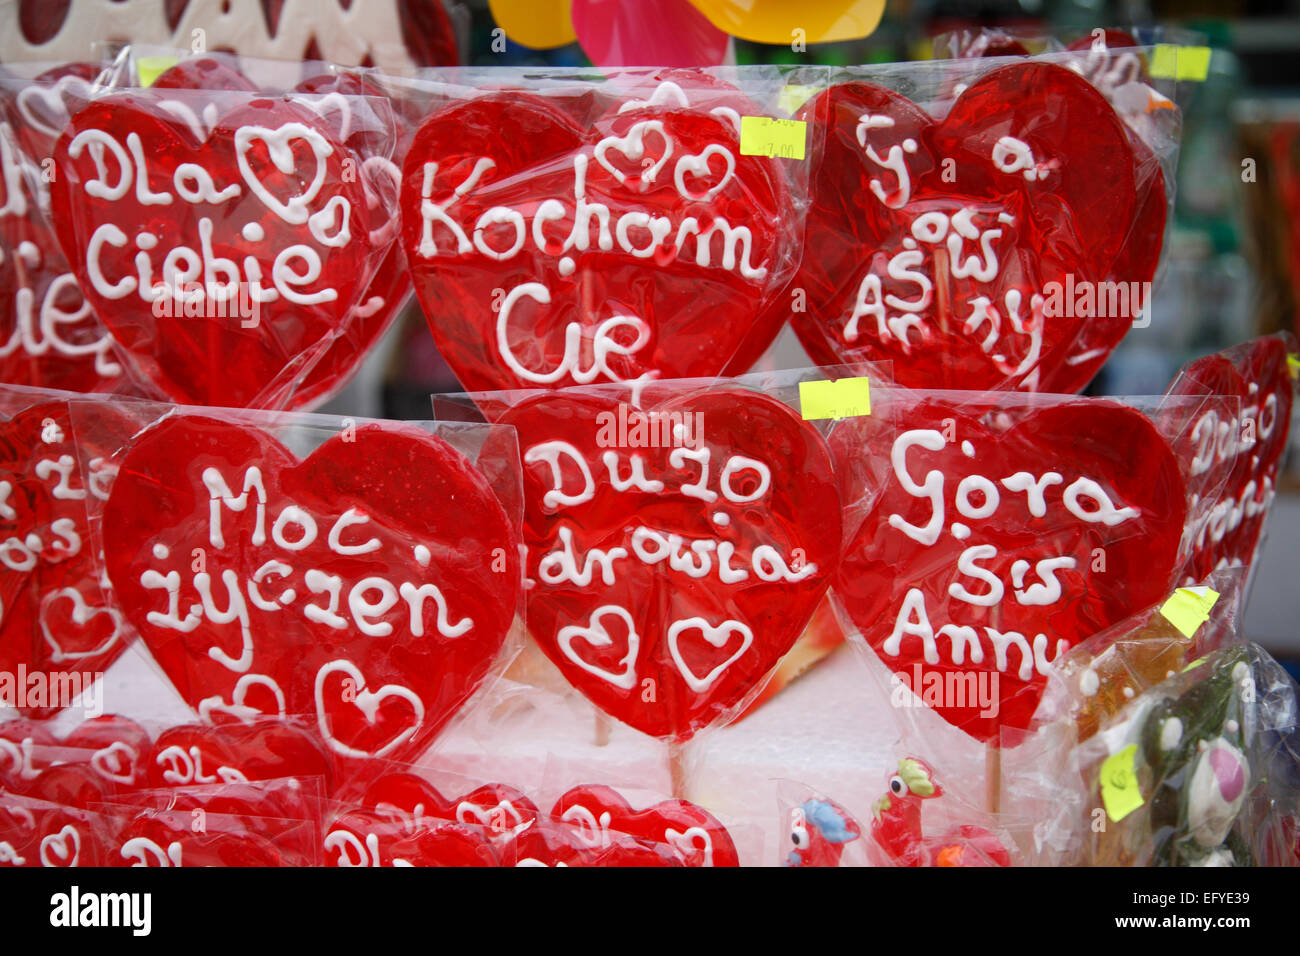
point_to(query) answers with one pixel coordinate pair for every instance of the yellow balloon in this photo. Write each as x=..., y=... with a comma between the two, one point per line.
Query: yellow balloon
x=540, y=24
x=775, y=21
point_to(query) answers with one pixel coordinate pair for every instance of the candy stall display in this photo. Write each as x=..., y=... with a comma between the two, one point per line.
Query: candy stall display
x=540, y=627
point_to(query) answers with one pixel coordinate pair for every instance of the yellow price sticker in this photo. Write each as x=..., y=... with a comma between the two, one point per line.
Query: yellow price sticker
x=795, y=95
x=1120, y=791
x=1180, y=62
x=843, y=398
x=764, y=136
x=1188, y=608
x=152, y=67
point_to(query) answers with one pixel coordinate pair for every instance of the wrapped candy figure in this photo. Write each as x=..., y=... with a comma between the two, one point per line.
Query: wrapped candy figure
x=820, y=830
x=1196, y=745
x=897, y=830
x=1186, y=772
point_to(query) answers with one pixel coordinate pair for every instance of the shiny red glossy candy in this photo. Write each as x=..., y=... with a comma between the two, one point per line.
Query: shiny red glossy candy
x=223, y=248
x=679, y=546
x=1233, y=462
x=693, y=834
x=997, y=538
x=978, y=251
x=356, y=587
x=54, y=620
x=552, y=244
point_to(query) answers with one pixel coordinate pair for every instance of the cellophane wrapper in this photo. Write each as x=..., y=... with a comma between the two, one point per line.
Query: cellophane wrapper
x=623, y=208
x=1204, y=749
x=227, y=237
x=983, y=223
x=679, y=535
x=331, y=591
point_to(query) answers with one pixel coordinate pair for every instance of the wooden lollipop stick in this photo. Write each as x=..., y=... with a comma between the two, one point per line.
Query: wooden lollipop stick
x=993, y=777
x=677, y=768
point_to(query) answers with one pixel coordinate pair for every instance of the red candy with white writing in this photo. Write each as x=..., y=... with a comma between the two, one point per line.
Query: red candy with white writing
x=49, y=336
x=218, y=236
x=36, y=832
x=199, y=755
x=390, y=286
x=978, y=250
x=1233, y=461
x=564, y=240
x=554, y=843
x=368, y=587
x=367, y=838
x=402, y=820
x=678, y=544
x=331, y=95
x=694, y=835
x=57, y=632
x=997, y=537
x=413, y=801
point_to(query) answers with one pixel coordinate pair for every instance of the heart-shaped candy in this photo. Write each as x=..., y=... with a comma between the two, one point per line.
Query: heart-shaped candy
x=677, y=547
x=551, y=249
x=57, y=632
x=331, y=97
x=368, y=587
x=413, y=802
x=1233, y=462
x=49, y=336
x=224, y=248
x=27, y=747
x=552, y=843
x=987, y=249
x=997, y=538
x=167, y=838
x=35, y=832
x=693, y=834
x=198, y=755
x=367, y=838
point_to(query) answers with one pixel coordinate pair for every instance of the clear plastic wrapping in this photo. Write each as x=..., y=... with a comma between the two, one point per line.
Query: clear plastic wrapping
x=57, y=631
x=49, y=335
x=1181, y=776
x=567, y=229
x=226, y=237
x=983, y=223
x=358, y=580
x=987, y=534
x=679, y=537
x=1234, y=452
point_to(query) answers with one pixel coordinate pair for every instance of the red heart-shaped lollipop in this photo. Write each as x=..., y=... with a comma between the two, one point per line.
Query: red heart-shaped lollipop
x=169, y=838
x=694, y=835
x=367, y=838
x=36, y=832
x=368, y=587
x=198, y=755
x=223, y=248
x=999, y=537
x=678, y=547
x=54, y=620
x=552, y=843
x=49, y=336
x=987, y=249
x=412, y=801
x=548, y=249
x=1233, y=463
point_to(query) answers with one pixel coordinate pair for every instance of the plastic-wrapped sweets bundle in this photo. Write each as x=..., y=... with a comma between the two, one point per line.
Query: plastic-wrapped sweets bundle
x=1181, y=776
